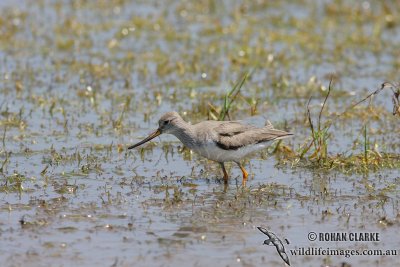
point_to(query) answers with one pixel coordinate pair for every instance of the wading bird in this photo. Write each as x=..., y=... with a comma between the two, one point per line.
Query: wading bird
x=220, y=141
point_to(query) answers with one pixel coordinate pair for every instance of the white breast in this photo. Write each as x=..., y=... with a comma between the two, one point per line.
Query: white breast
x=213, y=152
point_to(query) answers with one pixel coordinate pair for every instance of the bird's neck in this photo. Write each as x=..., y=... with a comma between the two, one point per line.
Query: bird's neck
x=185, y=134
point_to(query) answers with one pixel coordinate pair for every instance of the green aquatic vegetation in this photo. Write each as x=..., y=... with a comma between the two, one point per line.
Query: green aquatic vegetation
x=176, y=198
x=6, y=160
x=315, y=153
x=13, y=183
x=366, y=145
x=319, y=134
x=118, y=123
x=12, y=119
x=231, y=96
x=30, y=222
x=229, y=99
x=65, y=188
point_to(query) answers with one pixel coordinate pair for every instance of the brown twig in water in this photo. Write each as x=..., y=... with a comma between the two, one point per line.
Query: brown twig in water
x=384, y=85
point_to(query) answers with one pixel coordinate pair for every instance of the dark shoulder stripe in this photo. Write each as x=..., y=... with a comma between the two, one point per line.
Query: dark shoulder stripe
x=231, y=133
x=225, y=147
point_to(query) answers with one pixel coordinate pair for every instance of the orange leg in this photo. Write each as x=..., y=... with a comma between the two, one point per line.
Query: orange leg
x=225, y=173
x=244, y=172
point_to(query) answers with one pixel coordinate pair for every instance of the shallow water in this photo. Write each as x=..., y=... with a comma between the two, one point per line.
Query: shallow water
x=80, y=80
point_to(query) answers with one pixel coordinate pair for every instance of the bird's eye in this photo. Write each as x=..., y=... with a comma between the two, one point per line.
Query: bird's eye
x=166, y=122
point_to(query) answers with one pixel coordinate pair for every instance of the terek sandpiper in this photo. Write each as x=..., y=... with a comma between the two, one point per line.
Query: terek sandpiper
x=220, y=141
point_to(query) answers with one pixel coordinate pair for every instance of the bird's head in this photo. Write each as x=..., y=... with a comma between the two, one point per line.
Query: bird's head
x=168, y=123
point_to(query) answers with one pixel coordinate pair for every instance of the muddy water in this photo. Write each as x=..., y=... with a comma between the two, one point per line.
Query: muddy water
x=81, y=80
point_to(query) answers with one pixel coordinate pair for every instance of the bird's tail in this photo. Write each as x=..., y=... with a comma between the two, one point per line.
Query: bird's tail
x=279, y=134
x=284, y=135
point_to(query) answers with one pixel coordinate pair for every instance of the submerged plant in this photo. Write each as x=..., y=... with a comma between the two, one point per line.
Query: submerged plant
x=317, y=148
x=366, y=145
x=229, y=98
x=13, y=183
x=319, y=133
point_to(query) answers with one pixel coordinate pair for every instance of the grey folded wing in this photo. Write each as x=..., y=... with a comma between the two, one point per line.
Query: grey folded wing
x=233, y=135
